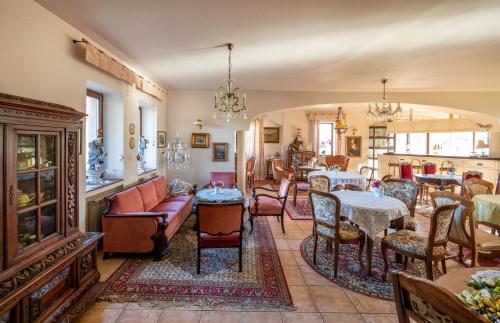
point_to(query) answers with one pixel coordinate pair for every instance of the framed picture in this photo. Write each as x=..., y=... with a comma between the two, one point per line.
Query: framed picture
x=199, y=140
x=220, y=152
x=353, y=145
x=161, y=139
x=271, y=135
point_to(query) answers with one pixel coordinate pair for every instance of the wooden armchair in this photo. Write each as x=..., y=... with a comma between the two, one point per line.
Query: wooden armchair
x=269, y=202
x=279, y=170
x=369, y=174
x=406, y=191
x=476, y=186
x=426, y=301
x=340, y=160
x=220, y=226
x=463, y=230
x=297, y=186
x=468, y=175
x=250, y=171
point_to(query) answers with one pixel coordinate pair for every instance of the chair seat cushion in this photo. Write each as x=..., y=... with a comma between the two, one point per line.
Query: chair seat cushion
x=487, y=241
x=303, y=186
x=267, y=205
x=410, y=242
x=207, y=240
x=347, y=232
x=410, y=224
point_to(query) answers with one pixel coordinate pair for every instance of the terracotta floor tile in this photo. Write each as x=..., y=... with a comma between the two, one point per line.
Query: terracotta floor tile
x=302, y=299
x=98, y=315
x=298, y=258
x=296, y=234
x=293, y=275
x=366, y=304
x=281, y=244
x=342, y=318
x=109, y=266
x=286, y=258
x=109, y=305
x=142, y=316
x=261, y=317
x=220, y=317
x=294, y=244
x=178, y=316
x=380, y=318
x=145, y=306
x=305, y=225
x=313, y=278
x=294, y=317
x=331, y=299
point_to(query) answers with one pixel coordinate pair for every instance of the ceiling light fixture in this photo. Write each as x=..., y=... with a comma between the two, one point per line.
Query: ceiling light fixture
x=227, y=103
x=384, y=110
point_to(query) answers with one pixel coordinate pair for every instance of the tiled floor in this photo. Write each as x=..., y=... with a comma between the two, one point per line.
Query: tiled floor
x=316, y=299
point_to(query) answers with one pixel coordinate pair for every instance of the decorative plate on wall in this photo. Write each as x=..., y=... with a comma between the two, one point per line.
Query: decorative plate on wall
x=131, y=143
x=131, y=129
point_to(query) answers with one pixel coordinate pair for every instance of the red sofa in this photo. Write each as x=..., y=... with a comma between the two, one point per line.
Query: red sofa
x=144, y=218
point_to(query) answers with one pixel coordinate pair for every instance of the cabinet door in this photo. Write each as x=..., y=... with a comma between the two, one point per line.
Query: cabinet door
x=34, y=180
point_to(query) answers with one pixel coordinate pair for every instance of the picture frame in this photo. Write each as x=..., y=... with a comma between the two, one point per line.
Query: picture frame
x=353, y=146
x=200, y=140
x=220, y=151
x=161, y=139
x=271, y=135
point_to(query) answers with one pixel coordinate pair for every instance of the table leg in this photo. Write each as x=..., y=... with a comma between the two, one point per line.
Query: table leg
x=369, y=252
x=400, y=225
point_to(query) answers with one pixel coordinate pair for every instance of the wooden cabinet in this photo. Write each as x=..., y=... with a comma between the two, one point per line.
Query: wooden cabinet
x=299, y=158
x=46, y=263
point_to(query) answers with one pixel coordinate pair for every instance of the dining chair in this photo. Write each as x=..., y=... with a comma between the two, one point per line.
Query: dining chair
x=464, y=231
x=393, y=166
x=475, y=186
x=340, y=160
x=320, y=183
x=279, y=170
x=406, y=171
x=410, y=244
x=266, y=201
x=468, y=175
x=220, y=225
x=446, y=166
x=250, y=171
x=369, y=179
x=430, y=168
x=328, y=226
x=386, y=177
x=416, y=165
x=421, y=300
x=406, y=191
x=297, y=185
x=228, y=178
x=352, y=187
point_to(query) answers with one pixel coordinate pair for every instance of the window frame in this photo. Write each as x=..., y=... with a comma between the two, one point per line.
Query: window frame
x=100, y=98
x=332, y=136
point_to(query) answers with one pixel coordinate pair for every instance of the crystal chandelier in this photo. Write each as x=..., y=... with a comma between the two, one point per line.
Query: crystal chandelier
x=177, y=155
x=227, y=102
x=385, y=110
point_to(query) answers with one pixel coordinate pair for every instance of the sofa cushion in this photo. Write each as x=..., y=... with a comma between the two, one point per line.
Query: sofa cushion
x=161, y=188
x=128, y=201
x=169, y=206
x=180, y=198
x=148, y=194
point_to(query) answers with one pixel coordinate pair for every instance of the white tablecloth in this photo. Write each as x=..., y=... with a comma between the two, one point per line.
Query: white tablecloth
x=372, y=214
x=337, y=178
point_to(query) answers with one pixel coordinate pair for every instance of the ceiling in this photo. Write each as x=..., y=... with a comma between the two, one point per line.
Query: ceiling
x=300, y=45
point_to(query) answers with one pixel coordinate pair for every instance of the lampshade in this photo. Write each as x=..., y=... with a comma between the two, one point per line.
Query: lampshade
x=482, y=145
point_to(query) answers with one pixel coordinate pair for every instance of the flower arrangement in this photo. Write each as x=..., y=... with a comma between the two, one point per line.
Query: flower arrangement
x=485, y=296
x=218, y=183
x=377, y=188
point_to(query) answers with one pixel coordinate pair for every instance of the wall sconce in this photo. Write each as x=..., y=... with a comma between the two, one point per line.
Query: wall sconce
x=198, y=123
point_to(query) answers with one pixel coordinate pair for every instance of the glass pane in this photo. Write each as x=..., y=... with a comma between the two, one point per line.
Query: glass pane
x=482, y=143
x=26, y=190
x=451, y=143
x=47, y=185
x=26, y=151
x=325, y=139
x=91, y=122
x=47, y=151
x=26, y=229
x=401, y=143
x=418, y=143
x=48, y=219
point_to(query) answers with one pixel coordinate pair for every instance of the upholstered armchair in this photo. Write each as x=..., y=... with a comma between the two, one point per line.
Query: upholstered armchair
x=279, y=170
x=463, y=230
x=432, y=248
x=476, y=186
x=250, y=171
x=406, y=191
x=468, y=175
x=228, y=178
x=266, y=201
x=340, y=160
x=220, y=225
x=328, y=226
x=320, y=183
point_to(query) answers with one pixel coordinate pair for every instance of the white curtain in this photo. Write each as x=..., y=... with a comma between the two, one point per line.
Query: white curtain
x=255, y=147
x=314, y=135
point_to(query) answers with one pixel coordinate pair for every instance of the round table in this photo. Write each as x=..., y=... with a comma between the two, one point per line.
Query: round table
x=487, y=209
x=219, y=196
x=456, y=279
x=439, y=179
x=337, y=177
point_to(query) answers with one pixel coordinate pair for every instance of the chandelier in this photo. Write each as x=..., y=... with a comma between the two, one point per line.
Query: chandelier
x=340, y=122
x=177, y=154
x=384, y=110
x=227, y=102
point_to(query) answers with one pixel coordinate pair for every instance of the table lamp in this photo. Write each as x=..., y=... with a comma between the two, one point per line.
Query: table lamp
x=482, y=145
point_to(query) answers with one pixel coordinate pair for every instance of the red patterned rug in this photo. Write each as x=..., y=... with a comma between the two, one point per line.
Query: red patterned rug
x=452, y=249
x=301, y=211
x=174, y=281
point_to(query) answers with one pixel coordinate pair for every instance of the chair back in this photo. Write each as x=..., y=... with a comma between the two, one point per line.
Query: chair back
x=463, y=226
x=416, y=164
x=250, y=165
x=386, y=177
x=446, y=166
x=425, y=301
x=228, y=178
x=440, y=226
x=320, y=183
x=393, y=166
x=284, y=188
x=340, y=160
x=406, y=171
x=468, y=175
x=352, y=187
x=326, y=210
x=278, y=167
x=476, y=186
x=404, y=190
x=497, y=192
x=220, y=218
x=369, y=178
x=429, y=168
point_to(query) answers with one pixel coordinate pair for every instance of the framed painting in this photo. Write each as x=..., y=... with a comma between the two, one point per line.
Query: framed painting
x=220, y=152
x=353, y=146
x=199, y=140
x=271, y=135
x=161, y=139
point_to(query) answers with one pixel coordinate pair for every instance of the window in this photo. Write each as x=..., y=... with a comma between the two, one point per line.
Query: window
x=94, y=121
x=326, y=139
x=417, y=143
x=451, y=143
x=484, y=136
x=401, y=143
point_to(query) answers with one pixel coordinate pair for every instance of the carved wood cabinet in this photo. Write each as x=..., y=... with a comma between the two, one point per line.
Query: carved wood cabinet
x=46, y=263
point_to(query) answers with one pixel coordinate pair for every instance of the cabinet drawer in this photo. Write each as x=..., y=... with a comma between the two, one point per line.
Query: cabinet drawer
x=478, y=164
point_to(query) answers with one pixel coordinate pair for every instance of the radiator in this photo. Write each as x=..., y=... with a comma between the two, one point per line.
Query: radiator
x=96, y=207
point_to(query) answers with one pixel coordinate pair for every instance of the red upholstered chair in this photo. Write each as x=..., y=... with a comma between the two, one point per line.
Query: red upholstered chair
x=250, y=171
x=269, y=202
x=468, y=175
x=429, y=168
x=340, y=160
x=279, y=170
x=228, y=178
x=406, y=171
x=220, y=226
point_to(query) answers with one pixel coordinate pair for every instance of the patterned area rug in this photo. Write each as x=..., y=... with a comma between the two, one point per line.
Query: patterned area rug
x=174, y=281
x=349, y=273
x=302, y=211
x=452, y=249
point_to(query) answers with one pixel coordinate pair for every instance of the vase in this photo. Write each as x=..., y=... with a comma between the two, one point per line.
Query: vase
x=217, y=189
x=377, y=192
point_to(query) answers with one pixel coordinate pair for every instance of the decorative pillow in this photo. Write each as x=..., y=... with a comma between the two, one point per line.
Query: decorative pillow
x=178, y=187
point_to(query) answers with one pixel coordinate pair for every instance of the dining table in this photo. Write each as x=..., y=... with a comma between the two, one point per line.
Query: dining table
x=373, y=214
x=341, y=177
x=487, y=210
x=442, y=180
x=456, y=279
